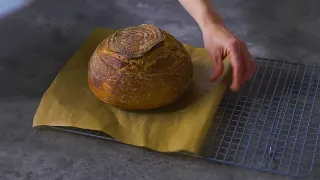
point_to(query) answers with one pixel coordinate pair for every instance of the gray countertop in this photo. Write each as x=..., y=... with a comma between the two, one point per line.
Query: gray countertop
x=37, y=40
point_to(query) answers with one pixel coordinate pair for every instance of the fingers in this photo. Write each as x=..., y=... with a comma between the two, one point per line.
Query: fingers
x=237, y=66
x=218, y=66
x=242, y=63
x=249, y=64
x=243, y=66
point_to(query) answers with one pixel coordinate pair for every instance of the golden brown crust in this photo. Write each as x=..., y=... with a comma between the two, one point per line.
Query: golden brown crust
x=155, y=78
x=134, y=41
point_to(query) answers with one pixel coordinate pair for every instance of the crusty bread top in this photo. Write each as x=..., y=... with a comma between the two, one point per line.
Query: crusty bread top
x=142, y=50
x=134, y=41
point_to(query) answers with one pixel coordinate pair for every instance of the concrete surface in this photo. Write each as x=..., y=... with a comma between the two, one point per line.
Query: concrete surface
x=36, y=42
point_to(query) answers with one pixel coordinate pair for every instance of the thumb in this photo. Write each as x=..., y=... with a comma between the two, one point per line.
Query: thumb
x=218, y=66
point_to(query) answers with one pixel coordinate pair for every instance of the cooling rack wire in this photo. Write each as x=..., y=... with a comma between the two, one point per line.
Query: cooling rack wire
x=272, y=124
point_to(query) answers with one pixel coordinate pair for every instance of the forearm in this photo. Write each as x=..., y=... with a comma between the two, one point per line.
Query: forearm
x=202, y=12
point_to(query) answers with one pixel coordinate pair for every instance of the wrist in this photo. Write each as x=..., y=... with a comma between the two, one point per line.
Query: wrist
x=213, y=28
x=210, y=20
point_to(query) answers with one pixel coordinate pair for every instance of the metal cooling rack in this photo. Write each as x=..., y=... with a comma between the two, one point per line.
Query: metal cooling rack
x=272, y=124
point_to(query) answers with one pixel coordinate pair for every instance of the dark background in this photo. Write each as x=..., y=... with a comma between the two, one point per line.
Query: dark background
x=36, y=41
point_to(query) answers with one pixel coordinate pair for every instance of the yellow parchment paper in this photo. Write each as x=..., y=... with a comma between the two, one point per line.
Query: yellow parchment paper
x=181, y=126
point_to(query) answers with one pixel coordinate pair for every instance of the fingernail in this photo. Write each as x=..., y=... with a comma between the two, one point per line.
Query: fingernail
x=233, y=88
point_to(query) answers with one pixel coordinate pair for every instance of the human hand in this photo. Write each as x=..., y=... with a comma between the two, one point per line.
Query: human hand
x=221, y=43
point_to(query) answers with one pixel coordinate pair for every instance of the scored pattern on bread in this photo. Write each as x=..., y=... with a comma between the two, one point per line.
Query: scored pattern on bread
x=134, y=41
x=157, y=78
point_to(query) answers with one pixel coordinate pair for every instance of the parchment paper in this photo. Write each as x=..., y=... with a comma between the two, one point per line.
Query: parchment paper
x=181, y=126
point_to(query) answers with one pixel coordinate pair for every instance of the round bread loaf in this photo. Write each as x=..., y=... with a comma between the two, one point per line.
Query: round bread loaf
x=139, y=68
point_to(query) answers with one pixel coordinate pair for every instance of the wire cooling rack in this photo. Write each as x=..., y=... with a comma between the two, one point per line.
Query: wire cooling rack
x=272, y=124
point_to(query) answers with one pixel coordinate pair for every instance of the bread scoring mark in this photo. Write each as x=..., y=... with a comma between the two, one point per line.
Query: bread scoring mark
x=157, y=61
x=134, y=41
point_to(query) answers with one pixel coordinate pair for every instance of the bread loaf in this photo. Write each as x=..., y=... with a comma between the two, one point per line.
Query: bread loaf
x=139, y=68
